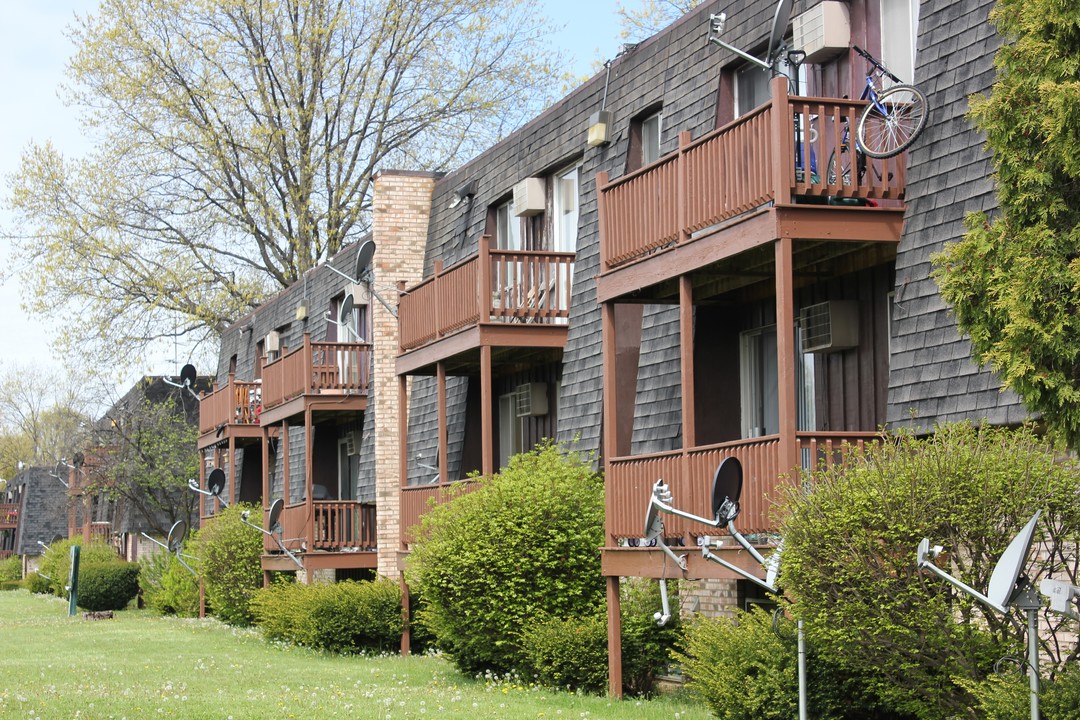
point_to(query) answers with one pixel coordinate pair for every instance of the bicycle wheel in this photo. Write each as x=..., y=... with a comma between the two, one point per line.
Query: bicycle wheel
x=832, y=170
x=883, y=136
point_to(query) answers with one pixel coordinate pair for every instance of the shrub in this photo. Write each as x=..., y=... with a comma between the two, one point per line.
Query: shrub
x=107, y=586
x=167, y=586
x=6, y=585
x=37, y=583
x=56, y=562
x=343, y=617
x=1006, y=697
x=229, y=555
x=743, y=670
x=569, y=654
x=11, y=568
x=849, y=557
x=523, y=544
x=646, y=647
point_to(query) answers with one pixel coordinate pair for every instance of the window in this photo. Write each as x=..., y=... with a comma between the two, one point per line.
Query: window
x=509, y=429
x=566, y=210
x=758, y=384
x=752, y=85
x=348, y=470
x=899, y=33
x=353, y=328
x=507, y=228
x=650, y=139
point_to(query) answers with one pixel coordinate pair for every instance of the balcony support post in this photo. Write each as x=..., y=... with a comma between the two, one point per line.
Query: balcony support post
x=403, y=442
x=785, y=360
x=264, y=450
x=682, y=170
x=232, y=469
x=487, y=464
x=783, y=141
x=610, y=410
x=309, y=468
x=440, y=380
x=284, y=465
x=614, y=638
x=686, y=360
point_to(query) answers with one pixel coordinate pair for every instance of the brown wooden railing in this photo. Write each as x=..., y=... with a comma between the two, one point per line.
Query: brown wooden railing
x=629, y=481
x=417, y=499
x=525, y=286
x=316, y=367
x=238, y=402
x=336, y=526
x=9, y=516
x=758, y=159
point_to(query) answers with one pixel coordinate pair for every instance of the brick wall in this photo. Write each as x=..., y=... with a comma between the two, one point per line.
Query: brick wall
x=402, y=207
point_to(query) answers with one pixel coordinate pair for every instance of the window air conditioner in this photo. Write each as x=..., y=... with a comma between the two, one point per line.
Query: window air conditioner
x=831, y=325
x=823, y=31
x=352, y=442
x=529, y=197
x=272, y=342
x=531, y=399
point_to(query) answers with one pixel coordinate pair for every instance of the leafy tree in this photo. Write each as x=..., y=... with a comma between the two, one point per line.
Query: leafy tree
x=649, y=17
x=523, y=545
x=237, y=140
x=146, y=452
x=849, y=559
x=1014, y=279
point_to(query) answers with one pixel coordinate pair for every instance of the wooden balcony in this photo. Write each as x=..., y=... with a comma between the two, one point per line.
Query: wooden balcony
x=99, y=531
x=628, y=483
x=417, y=499
x=232, y=410
x=9, y=516
x=498, y=298
x=743, y=185
x=325, y=534
x=317, y=375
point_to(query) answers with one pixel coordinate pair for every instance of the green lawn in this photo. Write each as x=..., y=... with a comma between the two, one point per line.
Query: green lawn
x=139, y=665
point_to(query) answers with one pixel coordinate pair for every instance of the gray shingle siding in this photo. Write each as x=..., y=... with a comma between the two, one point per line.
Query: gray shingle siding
x=932, y=378
x=44, y=512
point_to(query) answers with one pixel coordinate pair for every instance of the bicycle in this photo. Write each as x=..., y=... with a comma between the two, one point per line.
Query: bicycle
x=891, y=121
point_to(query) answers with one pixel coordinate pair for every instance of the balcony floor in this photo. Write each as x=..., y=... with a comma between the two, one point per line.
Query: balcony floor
x=513, y=345
x=328, y=405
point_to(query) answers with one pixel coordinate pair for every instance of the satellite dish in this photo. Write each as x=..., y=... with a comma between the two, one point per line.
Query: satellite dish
x=215, y=482
x=726, y=489
x=779, y=29
x=363, y=259
x=1007, y=571
x=275, y=513
x=188, y=375
x=654, y=524
x=77, y=459
x=176, y=536
x=347, y=306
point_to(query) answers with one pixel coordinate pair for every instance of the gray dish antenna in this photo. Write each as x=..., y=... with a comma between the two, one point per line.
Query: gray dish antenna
x=1003, y=580
x=272, y=519
x=1008, y=588
x=727, y=489
x=215, y=484
x=188, y=376
x=362, y=272
x=775, y=49
x=174, y=541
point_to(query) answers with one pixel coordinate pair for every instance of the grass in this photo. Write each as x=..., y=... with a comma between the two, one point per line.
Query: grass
x=140, y=665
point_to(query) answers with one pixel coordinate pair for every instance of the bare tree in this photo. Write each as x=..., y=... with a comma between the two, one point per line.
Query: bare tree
x=236, y=142
x=649, y=17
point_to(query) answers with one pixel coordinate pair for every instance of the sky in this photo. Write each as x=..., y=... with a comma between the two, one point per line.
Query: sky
x=34, y=50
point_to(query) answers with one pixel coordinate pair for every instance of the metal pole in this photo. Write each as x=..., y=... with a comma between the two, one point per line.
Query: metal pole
x=1033, y=660
x=73, y=581
x=802, y=671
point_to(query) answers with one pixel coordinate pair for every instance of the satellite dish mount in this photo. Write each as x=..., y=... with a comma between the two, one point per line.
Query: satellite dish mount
x=272, y=521
x=215, y=484
x=188, y=375
x=174, y=542
x=774, y=52
x=363, y=274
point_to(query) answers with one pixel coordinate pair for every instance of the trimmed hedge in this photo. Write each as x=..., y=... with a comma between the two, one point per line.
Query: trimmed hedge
x=37, y=583
x=107, y=586
x=56, y=562
x=345, y=617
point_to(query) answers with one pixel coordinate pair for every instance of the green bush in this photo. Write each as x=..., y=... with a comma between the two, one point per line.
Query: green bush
x=743, y=670
x=1006, y=697
x=230, y=563
x=646, y=647
x=343, y=617
x=6, y=585
x=523, y=544
x=56, y=562
x=11, y=568
x=849, y=558
x=1061, y=698
x=167, y=586
x=107, y=586
x=37, y=583
x=569, y=654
